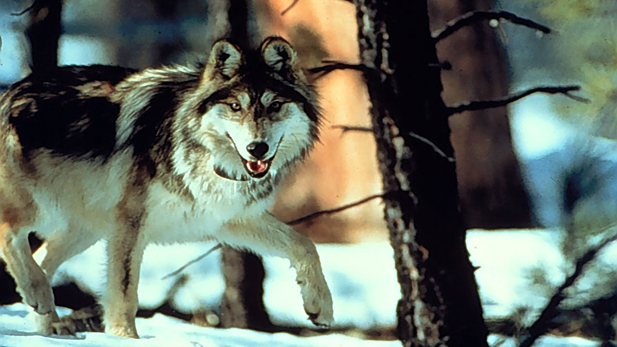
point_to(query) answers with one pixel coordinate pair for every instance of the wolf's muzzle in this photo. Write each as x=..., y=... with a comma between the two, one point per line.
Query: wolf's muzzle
x=257, y=168
x=257, y=149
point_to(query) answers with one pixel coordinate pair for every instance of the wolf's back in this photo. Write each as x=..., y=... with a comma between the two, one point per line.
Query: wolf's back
x=65, y=110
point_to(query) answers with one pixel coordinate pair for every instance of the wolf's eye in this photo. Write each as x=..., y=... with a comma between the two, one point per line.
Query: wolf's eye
x=235, y=106
x=275, y=106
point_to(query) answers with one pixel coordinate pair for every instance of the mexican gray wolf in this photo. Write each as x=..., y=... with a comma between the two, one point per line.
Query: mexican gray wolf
x=166, y=155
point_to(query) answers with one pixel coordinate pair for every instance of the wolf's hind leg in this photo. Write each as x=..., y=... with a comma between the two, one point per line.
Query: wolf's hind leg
x=55, y=251
x=60, y=247
x=268, y=236
x=31, y=281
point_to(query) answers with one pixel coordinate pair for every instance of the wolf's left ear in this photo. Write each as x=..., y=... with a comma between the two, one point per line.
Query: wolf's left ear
x=278, y=55
x=225, y=59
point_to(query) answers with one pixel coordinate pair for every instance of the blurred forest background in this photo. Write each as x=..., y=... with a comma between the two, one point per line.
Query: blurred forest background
x=486, y=63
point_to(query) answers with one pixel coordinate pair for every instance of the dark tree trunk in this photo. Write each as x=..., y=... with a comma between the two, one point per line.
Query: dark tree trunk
x=490, y=184
x=167, y=51
x=440, y=304
x=43, y=32
x=242, y=305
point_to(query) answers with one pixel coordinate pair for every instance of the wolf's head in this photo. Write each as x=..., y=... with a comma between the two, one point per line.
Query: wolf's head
x=253, y=112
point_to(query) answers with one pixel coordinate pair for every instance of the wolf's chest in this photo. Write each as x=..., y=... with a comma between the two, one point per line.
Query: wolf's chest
x=174, y=219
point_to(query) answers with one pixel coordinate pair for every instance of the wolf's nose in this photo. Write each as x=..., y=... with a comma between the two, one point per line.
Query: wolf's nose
x=257, y=149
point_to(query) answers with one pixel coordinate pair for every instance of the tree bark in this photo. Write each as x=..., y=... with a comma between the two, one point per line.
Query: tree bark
x=440, y=305
x=242, y=305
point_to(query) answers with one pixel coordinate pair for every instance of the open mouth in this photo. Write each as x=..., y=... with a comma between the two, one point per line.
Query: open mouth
x=258, y=168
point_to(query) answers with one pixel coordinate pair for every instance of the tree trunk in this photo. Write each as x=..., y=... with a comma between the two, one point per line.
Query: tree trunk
x=440, y=305
x=43, y=33
x=242, y=304
x=490, y=185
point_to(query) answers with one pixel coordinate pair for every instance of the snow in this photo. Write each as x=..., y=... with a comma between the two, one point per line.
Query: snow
x=346, y=269
x=362, y=279
x=516, y=268
x=160, y=330
x=544, y=341
x=85, y=50
x=536, y=129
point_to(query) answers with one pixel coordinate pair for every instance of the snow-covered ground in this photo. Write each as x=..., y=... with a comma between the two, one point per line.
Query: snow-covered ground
x=160, y=330
x=362, y=279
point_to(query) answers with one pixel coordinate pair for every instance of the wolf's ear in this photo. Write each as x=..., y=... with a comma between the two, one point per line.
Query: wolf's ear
x=279, y=56
x=225, y=59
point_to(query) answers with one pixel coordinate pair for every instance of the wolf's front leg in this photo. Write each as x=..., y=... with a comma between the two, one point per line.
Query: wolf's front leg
x=267, y=235
x=125, y=250
x=124, y=253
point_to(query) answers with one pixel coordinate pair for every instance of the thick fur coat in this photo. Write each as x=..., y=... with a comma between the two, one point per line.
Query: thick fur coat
x=174, y=154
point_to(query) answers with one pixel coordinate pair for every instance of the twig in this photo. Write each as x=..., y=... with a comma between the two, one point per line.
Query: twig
x=346, y=128
x=334, y=210
x=483, y=105
x=335, y=65
x=289, y=7
x=541, y=325
x=218, y=246
x=28, y=9
x=470, y=17
x=433, y=146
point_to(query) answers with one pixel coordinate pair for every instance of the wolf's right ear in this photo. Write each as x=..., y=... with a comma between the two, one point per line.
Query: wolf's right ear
x=225, y=60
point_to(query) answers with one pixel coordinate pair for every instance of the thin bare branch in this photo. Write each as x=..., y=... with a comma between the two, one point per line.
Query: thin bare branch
x=473, y=16
x=334, y=210
x=336, y=65
x=171, y=274
x=542, y=324
x=28, y=9
x=483, y=105
x=289, y=7
x=433, y=146
x=346, y=128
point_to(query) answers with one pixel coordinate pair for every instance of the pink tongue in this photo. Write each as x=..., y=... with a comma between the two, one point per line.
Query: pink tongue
x=256, y=166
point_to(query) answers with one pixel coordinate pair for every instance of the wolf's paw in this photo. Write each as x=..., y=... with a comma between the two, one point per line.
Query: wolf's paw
x=317, y=302
x=122, y=328
x=83, y=320
x=45, y=322
x=86, y=319
x=37, y=294
x=64, y=327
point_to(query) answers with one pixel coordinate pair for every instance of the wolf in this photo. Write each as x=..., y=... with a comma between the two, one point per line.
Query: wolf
x=165, y=155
